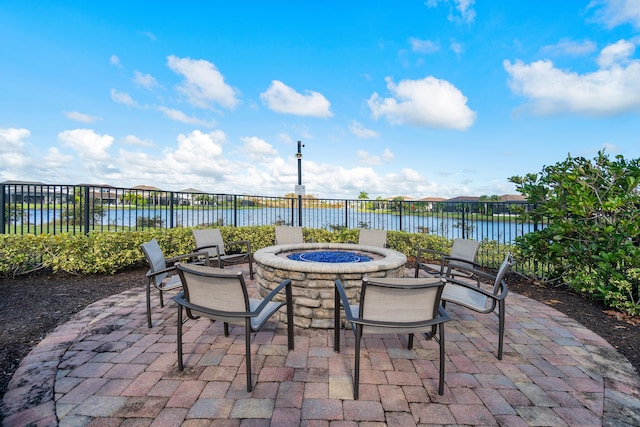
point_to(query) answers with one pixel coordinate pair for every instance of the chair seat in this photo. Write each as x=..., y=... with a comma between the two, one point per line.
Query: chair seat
x=171, y=282
x=265, y=314
x=464, y=296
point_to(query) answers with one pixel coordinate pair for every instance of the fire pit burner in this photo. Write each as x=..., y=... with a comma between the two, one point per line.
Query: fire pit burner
x=330, y=256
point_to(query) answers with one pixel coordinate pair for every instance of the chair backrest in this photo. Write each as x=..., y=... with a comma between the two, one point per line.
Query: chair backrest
x=502, y=273
x=286, y=235
x=155, y=258
x=214, y=288
x=373, y=237
x=464, y=249
x=395, y=301
x=208, y=237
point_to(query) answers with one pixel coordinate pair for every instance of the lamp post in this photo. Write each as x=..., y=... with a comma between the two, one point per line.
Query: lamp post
x=299, y=188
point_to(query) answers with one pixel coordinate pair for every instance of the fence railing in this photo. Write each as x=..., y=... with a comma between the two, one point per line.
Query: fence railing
x=34, y=208
x=39, y=208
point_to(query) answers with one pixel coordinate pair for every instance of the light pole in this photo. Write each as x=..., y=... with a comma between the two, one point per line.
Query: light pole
x=299, y=188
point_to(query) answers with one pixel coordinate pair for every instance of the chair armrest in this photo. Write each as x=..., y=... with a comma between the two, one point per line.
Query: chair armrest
x=344, y=301
x=203, y=248
x=501, y=296
x=164, y=270
x=272, y=294
x=193, y=255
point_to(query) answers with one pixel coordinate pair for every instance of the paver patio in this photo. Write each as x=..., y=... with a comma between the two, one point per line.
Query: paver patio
x=106, y=368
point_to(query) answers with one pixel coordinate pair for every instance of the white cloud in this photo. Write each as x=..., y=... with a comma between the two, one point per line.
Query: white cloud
x=200, y=154
x=456, y=47
x=283, y=99
x=115, y=61
x=122, y=98
x=616, y=12
x=370, y=159
x=134, y=140
x=203, y=84
x=617, y=53
x=150, y=35
x=147, y=81
x=81, y=117
x=12, y=150
x=180, y=116
x=462, y=7
x=87, y=143
x=611, y=90
x=258, y=149
x=426, y=102
x=423, y=46
x=569, y=48
x=360, y=131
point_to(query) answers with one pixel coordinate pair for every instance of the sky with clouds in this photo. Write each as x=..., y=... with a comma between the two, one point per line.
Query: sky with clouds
x=436, y=98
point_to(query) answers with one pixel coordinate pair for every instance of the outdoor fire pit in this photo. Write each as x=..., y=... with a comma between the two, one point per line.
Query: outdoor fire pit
x=313, y=269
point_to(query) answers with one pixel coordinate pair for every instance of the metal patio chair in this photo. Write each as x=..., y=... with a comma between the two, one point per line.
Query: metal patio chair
x=460, y=262
x=286, y=235
x=222, y=295
x=210, y=240
x=158, y=276
x=393, y=306
x=372, y=237
x=481, y=300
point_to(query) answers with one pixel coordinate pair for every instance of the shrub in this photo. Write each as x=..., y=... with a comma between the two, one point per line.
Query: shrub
x=593, y=234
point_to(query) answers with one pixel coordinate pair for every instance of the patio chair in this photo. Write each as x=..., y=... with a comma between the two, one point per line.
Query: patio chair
x=222, y=295
x=159, y=268
x=460, y=262
x=286, y=235
x=393, y=306
x=372, y=237
x=210, y=240
x=481, y=300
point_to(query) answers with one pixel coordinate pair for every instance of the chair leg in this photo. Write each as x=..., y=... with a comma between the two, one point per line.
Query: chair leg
x=247, y=339
x=250, y=267
x=441, y=343
x=336, y=324
x=410, y=344
x=149, y=303
x=289, y=293
x=501, y=306
x=226, y=329
x=161, y=298
x=180, y=365
x=356, y=379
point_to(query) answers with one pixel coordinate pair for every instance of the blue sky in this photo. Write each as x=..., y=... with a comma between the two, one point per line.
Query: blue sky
x=436, y=98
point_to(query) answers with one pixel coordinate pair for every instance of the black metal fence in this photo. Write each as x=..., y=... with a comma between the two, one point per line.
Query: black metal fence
x=34, y=208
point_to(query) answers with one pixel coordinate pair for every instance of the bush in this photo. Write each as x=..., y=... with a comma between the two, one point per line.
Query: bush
x=592, y=241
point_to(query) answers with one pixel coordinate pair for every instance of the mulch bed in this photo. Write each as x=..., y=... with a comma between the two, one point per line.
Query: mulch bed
x=33, y=306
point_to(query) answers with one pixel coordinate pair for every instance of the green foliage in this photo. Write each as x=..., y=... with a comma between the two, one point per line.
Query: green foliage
x=109, y=252
x=593, y=234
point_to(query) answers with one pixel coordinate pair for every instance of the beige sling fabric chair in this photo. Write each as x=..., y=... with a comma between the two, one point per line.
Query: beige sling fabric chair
x=372, y=237
x=482, y=300
x=393, y=306
x=159, y=269
x=210, y=240
x=460, y=262
x=222, y=295
x=286, y=235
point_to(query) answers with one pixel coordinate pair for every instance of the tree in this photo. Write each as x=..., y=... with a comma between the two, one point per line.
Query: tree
x=363, y=195
x=592, y=240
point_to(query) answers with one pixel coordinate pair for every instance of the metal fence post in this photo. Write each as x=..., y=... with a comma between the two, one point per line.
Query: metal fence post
x=400, y=213
x=86, y=210
x=171, y=209
x=2, y=209
x=235, y=210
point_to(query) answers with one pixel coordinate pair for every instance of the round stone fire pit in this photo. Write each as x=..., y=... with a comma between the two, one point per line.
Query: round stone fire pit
x=313, y=280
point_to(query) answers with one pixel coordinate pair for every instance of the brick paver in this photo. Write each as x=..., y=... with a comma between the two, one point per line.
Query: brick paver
x=108, y=369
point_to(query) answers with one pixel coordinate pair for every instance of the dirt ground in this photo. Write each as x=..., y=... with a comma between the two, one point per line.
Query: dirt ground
x=31, y=307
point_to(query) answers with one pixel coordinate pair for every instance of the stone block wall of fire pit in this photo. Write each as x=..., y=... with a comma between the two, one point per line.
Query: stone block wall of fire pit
x=313, y=282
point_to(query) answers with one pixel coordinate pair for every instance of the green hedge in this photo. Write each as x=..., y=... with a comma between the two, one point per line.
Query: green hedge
x=109, y=252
